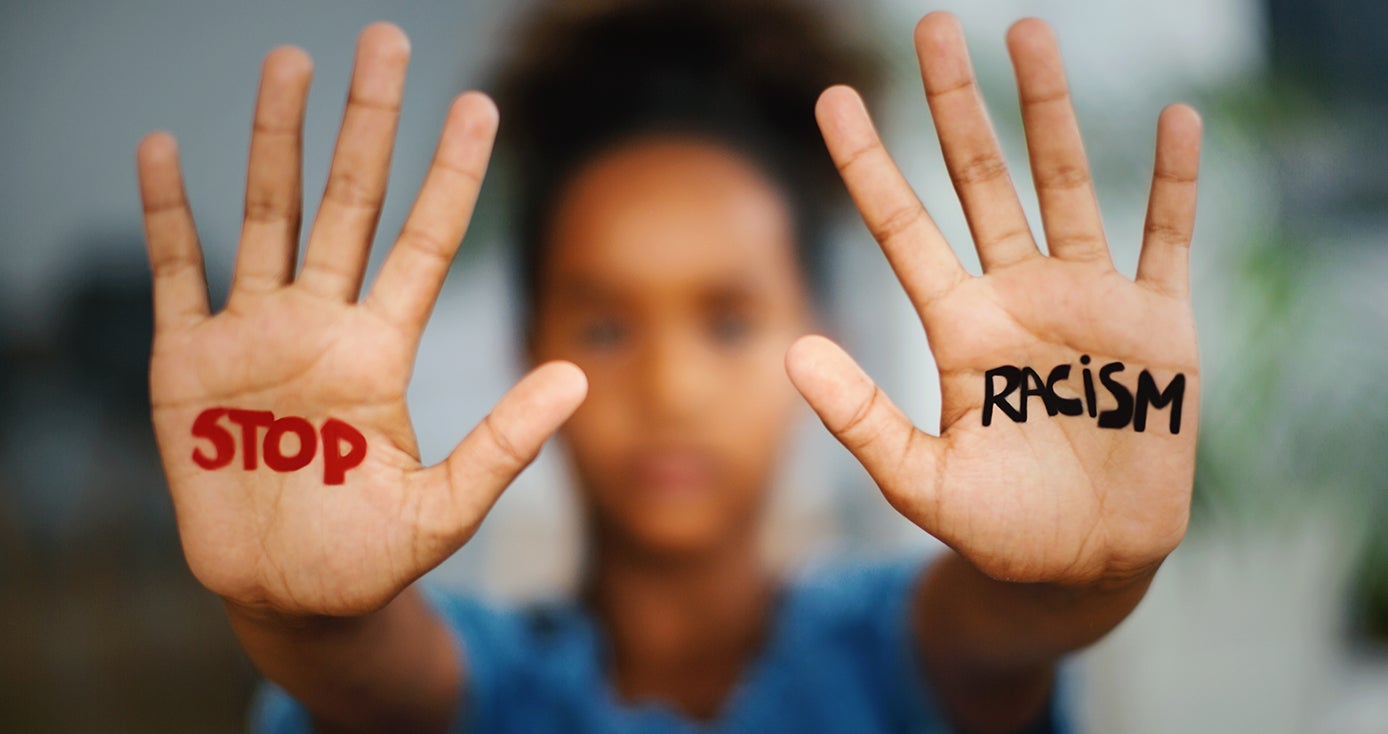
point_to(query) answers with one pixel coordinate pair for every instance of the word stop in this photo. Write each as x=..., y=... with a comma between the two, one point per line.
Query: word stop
x=344, y=447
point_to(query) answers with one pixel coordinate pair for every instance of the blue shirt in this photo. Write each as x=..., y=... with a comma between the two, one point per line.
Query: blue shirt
x=839, y=659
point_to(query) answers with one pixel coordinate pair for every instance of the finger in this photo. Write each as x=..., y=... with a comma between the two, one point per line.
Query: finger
x=971, y=150
x=1059, y=168
x=415, y=269
x=341, y=236
x=1164, y=263
x=274, y=193
x=464, y=487
x=180, y=288
x=902, y=460
x=918, y=253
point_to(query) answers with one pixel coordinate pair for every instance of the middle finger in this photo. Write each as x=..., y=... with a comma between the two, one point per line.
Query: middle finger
x=335, y=260
x=971, y=150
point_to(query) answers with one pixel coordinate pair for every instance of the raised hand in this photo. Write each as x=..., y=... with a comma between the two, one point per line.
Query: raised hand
x=1035, y=476
x=281, y=420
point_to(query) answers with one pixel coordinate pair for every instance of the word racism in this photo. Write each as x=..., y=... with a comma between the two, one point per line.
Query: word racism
x=336, y=435
x=1129, y=409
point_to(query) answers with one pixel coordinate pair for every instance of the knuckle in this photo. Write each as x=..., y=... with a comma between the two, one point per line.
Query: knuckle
x=470, y=176
x=857, y=429
x=1019, y=234
x=427, y=243
x=360, y=102
x=898, y=222
x=510, y=459
x=851, y=159
x=269, y=208
x=1172, y=177
x=350, y=188
x=1166, y=233
x=1078, y=246
x=964, y=85
x=979, y=169
x=264, y=126
x=172, y=264
x=1064, y=176
x=1047, y=97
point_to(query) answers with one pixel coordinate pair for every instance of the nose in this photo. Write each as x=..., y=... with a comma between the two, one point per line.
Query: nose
x=678, y=379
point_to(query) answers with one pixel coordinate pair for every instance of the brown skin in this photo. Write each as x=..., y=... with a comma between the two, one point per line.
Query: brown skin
x=670, y=278
x=318, y=584
x=1056, y=527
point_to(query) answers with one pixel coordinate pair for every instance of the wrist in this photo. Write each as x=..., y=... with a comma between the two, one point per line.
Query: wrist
x=389, y=669
x=266, y=617
x=992, y=625
x=1108, y=585
x=263, y=621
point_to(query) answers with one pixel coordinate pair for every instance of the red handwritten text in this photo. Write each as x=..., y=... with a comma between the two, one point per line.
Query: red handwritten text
x=343, y=446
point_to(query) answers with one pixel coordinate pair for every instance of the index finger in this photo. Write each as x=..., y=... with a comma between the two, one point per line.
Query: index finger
x=414, y=271
x=918, y=253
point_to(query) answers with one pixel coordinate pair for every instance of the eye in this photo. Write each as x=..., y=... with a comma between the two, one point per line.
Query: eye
x=731, y=328
x=605, y=333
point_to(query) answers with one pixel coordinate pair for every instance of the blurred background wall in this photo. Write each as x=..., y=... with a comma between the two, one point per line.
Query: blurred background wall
x=1271, y=617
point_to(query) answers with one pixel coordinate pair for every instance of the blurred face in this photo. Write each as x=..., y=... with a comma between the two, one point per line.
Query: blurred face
x=670, y=278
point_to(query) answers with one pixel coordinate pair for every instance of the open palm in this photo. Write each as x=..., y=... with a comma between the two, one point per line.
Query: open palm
x=297, y=541
x=1056, y=497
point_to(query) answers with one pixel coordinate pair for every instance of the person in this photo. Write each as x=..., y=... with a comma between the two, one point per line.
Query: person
x=669, y=274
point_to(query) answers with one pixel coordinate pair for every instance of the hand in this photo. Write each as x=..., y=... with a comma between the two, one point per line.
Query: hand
x=1056, y=497
x=321, y=539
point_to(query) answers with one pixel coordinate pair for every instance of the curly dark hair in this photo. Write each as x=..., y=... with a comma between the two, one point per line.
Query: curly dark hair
x=582, y=77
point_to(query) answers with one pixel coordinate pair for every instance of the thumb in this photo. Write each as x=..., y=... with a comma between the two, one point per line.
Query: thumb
x=903, y=460
x=505, y=442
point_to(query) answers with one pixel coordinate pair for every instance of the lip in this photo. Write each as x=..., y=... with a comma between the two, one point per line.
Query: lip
x=673, y=472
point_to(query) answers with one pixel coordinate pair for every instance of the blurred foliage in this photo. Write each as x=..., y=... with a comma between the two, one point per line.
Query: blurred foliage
x=1294, y=421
